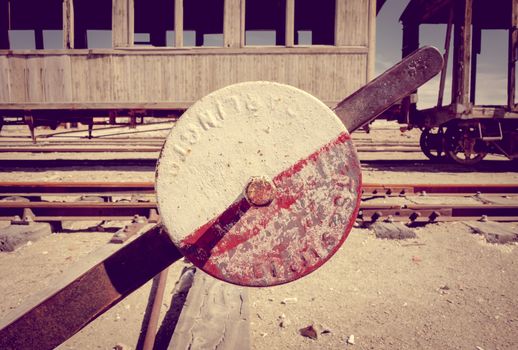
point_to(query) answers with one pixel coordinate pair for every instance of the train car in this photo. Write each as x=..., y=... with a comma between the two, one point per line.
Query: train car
x=464, y=130
x=66, y=59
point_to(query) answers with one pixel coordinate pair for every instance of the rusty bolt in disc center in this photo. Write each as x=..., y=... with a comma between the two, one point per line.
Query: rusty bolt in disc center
x=260, y=191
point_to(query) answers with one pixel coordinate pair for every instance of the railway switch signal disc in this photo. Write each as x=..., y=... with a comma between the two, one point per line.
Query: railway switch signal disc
x=258, y=183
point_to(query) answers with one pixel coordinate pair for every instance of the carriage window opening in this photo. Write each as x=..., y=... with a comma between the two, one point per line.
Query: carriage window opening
x=260, y=37
x=265, y=22
x=22, y=40
x=491, y=81
x=203, y=22
x=304, y=37
x=154, y=17
x=189, y=38
x=92, y=24
x=99, y=39
x=142, y=39
x=53, y=39
x=29, y=29
x=315, y=21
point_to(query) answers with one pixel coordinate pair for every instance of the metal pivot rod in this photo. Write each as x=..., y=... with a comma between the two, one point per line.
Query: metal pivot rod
x=54, y=315
x=397, y=82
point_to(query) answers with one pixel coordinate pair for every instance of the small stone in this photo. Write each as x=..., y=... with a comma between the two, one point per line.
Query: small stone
x=309, y=332
x=350, y=340
x=44, y=252
x=479, y=348
x=289, y=301
x=263, y=334
x=121, y=346
x=285, y=323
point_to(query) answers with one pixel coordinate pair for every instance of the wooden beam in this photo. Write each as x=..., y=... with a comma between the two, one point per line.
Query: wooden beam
x=178, y=23
x=232, y=23
x=371, y=56
x=475, y=50
x=462, y=53
x=352, y=22
x=445, y=57
x=512, y=54
x=123, y=23
x=421, y=10
x=68, y=24
x=290, y=23
x=409, y=45
x=38, y=38
x=216, y=315
x=243, y=20
x=410, y=38
x=4, y=24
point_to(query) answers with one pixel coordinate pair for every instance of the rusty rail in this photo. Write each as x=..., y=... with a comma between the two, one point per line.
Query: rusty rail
x=87, y=188
x=39, y=210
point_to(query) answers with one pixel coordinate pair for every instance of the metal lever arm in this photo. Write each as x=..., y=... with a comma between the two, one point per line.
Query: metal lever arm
x=397, y=82
x=102, y=280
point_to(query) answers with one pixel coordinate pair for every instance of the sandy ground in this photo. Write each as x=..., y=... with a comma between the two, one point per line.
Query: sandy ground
x=447, y=289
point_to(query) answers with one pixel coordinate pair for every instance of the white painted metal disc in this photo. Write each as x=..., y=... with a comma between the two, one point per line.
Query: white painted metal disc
x=258, y=129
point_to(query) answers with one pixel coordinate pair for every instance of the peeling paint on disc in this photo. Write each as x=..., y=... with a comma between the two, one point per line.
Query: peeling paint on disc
x=258, y=130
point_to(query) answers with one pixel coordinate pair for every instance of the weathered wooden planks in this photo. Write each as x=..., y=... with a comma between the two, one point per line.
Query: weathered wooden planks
x=352, y=22
x=123, y=20
x=215, y=316
x=180, y=76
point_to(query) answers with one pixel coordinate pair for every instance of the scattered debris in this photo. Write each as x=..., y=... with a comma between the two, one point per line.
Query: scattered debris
x=314, y=330
x=19, y=234
x=416, y=259
x=309, y=332
x=350, y=340
x=289, y=301
x=494, y=232
x=283, y=321
x=392, y=230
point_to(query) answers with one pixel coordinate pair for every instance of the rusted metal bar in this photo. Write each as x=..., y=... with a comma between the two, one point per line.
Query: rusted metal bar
x=76, y=211
x=119, y=188
x=435, y=212
x=45, y=149
x=54, y=315
x=43, y=211
x=152, y=326
x=390, y=87
x=76, y=187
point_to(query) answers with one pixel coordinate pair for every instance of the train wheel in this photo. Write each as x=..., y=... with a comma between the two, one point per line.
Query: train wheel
x=432, y=143
x=460, y=146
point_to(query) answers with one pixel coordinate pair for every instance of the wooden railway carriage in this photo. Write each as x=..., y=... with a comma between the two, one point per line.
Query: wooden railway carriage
x=156, y=57
x=464, y=130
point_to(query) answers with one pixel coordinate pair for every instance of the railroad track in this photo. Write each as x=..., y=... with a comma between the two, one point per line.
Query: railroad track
x=154, y=145
x=416, y=203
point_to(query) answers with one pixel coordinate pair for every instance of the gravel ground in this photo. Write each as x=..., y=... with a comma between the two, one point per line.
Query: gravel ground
x=446, y=289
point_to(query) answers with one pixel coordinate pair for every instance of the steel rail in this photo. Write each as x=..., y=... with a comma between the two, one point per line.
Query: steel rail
x=77, y=211
x=87, y=188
